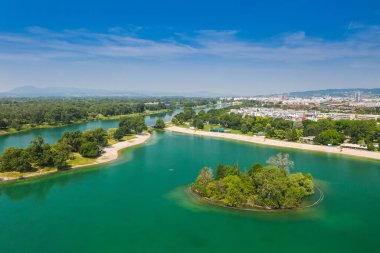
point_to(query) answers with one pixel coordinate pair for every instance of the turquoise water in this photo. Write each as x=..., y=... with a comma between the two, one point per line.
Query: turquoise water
x=138, y=204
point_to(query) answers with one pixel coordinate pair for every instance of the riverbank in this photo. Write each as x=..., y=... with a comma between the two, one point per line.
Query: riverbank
x=109, y=154
x=277, y=143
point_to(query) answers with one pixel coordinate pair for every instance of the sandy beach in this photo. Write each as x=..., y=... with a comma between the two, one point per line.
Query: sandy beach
x=109, y=153
x=112, y=152
x=270, y=142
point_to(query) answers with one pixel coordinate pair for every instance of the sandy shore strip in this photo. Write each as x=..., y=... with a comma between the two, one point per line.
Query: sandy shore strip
x=109, y=153
x=278, y=143
x=112, y=152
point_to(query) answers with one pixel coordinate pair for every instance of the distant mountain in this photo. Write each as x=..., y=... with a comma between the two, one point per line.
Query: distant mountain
x=31, y=91
x=336, y=92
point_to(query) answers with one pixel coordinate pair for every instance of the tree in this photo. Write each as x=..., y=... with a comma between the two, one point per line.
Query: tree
x=98, y=136
x=330, y=136
x=73, y=139
x=15, y=159
x=199, y=124
x=60, y=154
x=292, y=134
x=89, y=149
x=36, y=150
x=220, y=171
x=244, y=128
x=254, y=168
x=3, y=123
x=280, y=134
x=175, y=121
x=118, y=134
x=281, y=161
x=40, y=152
x=205, y=177
x=234, y=192
x=160, y=124
x=132, y=124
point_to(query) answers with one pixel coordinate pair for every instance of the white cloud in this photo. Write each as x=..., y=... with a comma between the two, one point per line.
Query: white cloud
x=362, y=45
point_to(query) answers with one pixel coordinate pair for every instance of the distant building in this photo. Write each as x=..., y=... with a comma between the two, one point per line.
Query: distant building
x=353, y=146
x=307, y=139
x=357, y=96
x=217, y=130
x=260, y=134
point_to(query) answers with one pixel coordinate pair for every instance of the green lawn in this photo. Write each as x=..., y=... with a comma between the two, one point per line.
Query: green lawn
x=80, y=160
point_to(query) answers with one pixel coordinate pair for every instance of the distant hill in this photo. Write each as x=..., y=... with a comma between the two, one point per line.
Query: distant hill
x=336, y=92
x=31, y=91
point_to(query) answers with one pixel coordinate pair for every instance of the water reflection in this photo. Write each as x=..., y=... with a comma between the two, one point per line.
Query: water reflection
x=39, y=188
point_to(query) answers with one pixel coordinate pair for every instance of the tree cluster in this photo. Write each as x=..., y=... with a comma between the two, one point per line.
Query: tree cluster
x=88, y=143
x=18, y=112
x=129, y=125
x=38, y=154
x=160, y=124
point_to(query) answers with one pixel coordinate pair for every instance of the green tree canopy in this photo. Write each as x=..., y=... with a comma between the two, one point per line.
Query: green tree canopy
x=160, y=124
x=330, y=136
x=15, y=159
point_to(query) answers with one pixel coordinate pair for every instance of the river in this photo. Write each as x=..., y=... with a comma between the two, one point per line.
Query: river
x=137, y=204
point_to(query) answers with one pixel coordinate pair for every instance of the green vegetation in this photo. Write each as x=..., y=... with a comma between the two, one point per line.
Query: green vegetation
x=78, y=160
x=268, y=187
x=326, y=131
x=160, y=124
x=89, y=149
x=129, y=125
x=330, y=136
x=39, y=155
x=18, y=114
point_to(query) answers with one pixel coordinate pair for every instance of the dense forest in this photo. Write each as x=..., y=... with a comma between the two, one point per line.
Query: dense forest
x=271, y=187
x=326, y=131
x=89, y=144
x=17, y=113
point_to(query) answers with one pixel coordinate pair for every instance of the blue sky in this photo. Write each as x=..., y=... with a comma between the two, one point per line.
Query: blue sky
x=229, y=47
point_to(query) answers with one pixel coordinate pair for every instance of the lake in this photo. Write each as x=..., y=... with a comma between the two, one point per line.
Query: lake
x=138, y=204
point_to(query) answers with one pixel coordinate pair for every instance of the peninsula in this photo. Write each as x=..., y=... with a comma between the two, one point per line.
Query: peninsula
x=74, y=150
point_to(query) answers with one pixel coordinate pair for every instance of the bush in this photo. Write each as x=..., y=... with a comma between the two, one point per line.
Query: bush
x=15, y=159
x=330, y=136
x=89, y=149
x=160, y=124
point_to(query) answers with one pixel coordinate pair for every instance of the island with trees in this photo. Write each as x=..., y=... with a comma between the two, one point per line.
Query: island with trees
x=73, y=149
x=270, y=187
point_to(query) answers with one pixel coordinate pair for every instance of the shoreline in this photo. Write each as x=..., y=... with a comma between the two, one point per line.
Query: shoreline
x=109, y=153
x=277, y=143
x=253, y=208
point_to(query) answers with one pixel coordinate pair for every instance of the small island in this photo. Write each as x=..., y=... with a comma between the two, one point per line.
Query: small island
x=270, y=187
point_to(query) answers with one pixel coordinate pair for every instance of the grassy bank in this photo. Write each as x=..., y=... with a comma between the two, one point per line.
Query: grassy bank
x=28, y=127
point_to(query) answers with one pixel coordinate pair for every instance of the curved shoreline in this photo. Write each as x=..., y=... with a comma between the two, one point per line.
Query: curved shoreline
x=278, y=143
x=109, y=154
x=105, y=118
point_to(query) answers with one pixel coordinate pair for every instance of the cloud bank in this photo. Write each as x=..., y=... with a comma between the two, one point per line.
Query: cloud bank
x=360, y=43
x=288, y=61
